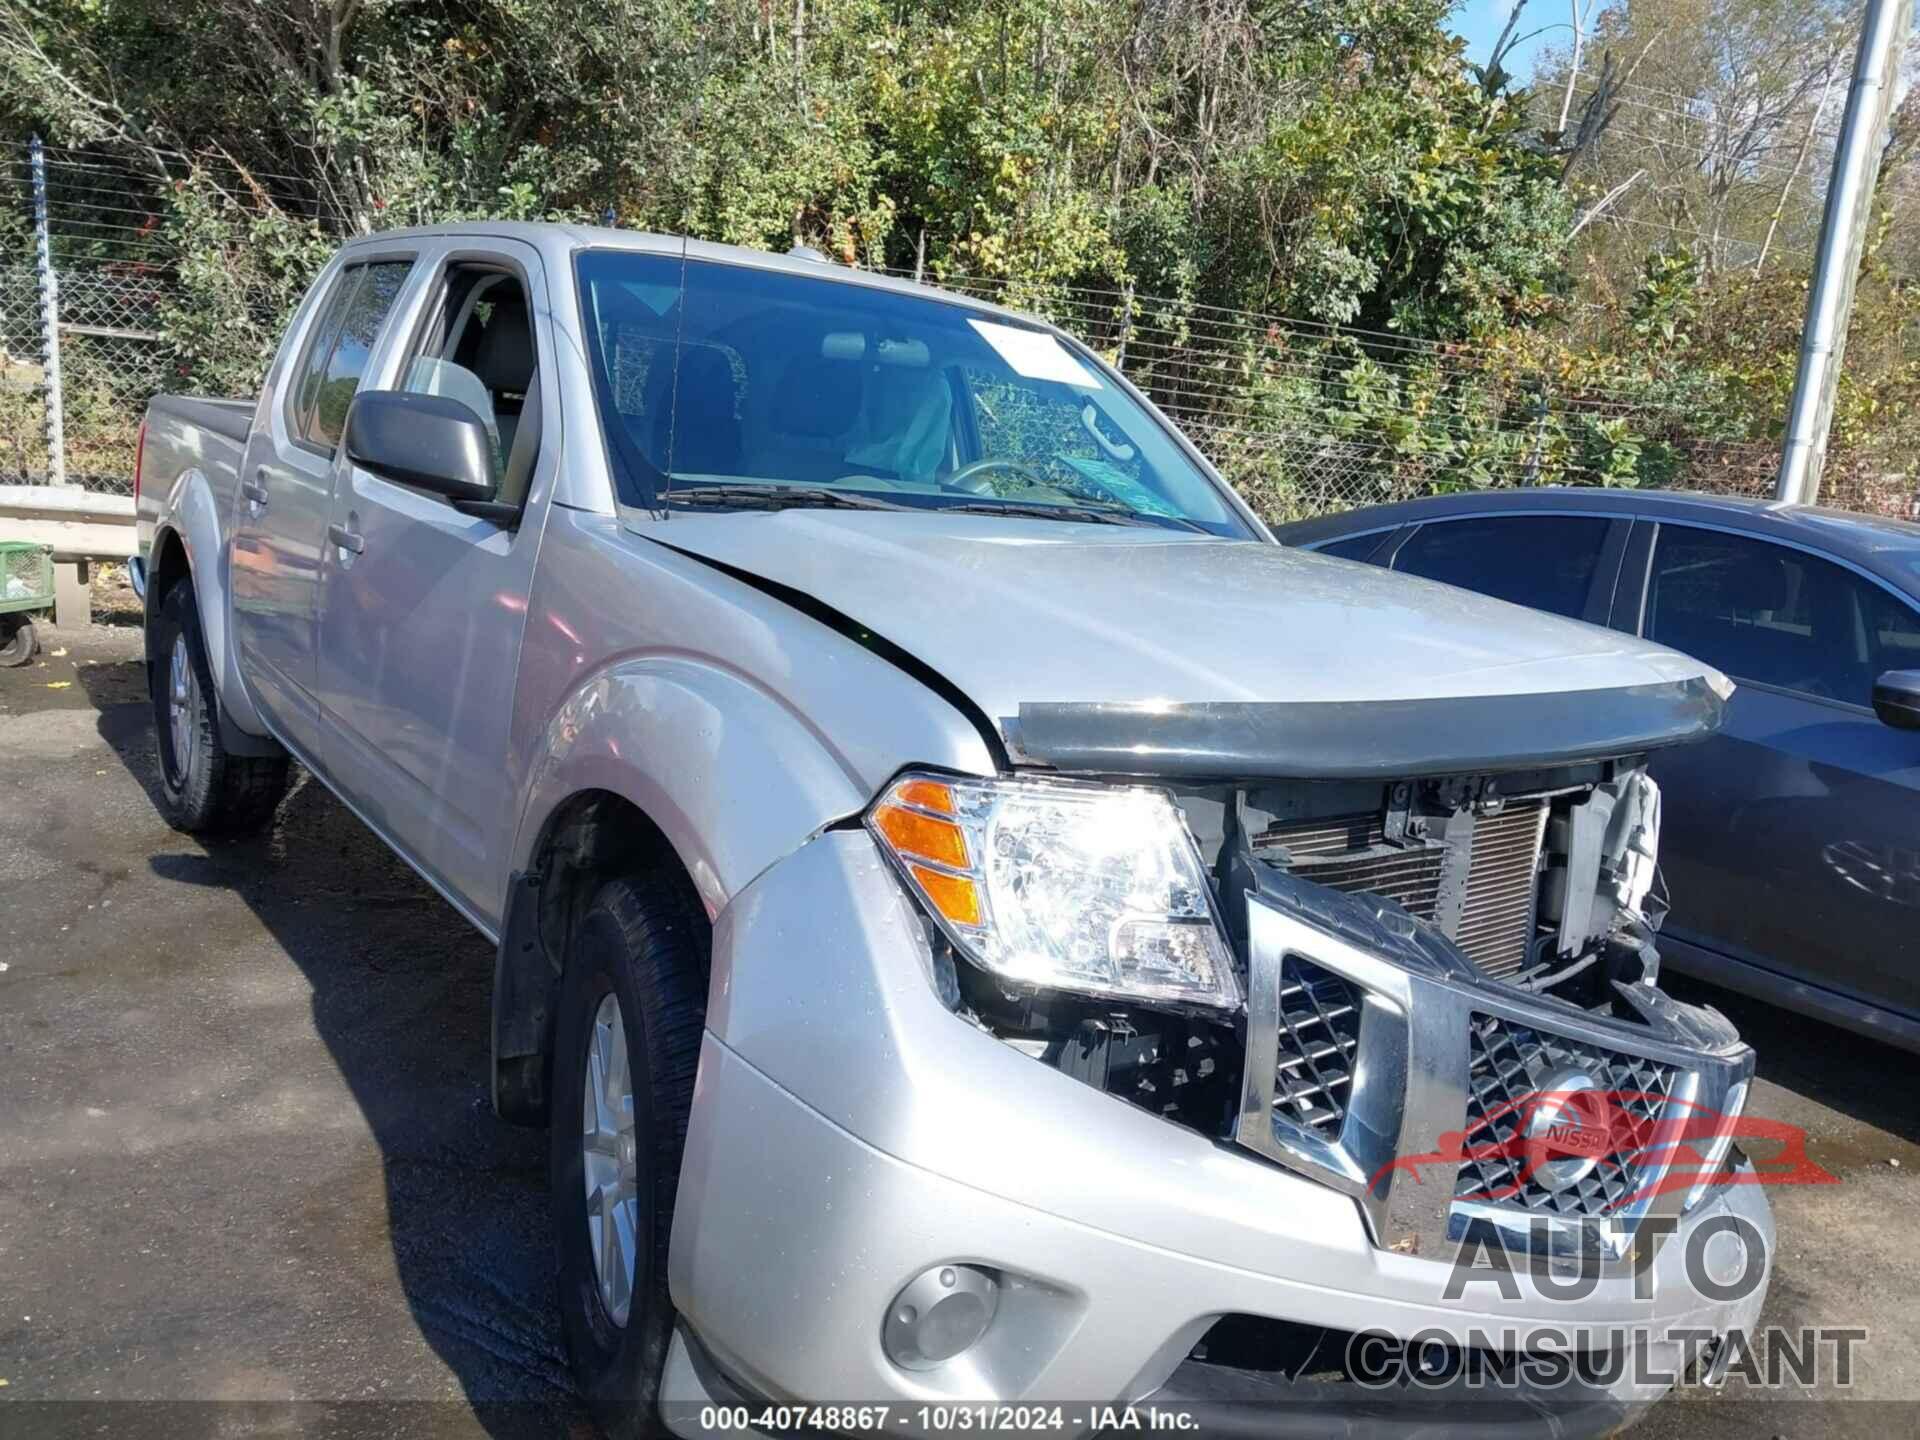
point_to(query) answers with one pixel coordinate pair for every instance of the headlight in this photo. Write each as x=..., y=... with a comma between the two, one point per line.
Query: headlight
x=1090, y=888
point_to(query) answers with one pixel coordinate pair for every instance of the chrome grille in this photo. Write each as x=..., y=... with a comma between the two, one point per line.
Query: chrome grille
x=1496, y=922
x=1508, y=1064
x=1313, y=1063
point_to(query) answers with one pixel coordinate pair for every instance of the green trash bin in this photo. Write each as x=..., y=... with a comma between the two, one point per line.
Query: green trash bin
x=26, y=590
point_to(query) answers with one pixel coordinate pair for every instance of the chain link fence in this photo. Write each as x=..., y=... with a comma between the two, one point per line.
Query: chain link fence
x=1307, y=418
x=114, y=357
x=23, y=441
x=82, y=298
x=1303, y=418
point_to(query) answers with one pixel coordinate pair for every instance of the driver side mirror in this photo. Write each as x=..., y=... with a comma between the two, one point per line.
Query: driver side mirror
x=426, y=441
x=1896, y=699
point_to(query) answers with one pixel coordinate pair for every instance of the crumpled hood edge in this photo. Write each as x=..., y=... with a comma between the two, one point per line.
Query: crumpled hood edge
x=1366, y=740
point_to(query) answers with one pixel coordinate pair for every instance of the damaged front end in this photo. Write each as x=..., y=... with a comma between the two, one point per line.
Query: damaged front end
x=1385, y=980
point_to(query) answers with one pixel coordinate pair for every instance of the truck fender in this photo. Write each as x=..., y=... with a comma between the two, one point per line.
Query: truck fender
x=686, y=755
x=190, y=521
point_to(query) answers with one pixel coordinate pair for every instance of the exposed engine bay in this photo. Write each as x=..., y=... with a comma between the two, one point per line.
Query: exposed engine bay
x=1544, y=880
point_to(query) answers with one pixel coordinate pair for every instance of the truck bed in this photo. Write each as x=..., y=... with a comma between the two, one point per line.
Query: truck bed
x=187, y=432
x=229, y=418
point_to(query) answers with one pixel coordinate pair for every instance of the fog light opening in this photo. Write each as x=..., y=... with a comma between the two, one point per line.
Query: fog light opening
x=941, y=1314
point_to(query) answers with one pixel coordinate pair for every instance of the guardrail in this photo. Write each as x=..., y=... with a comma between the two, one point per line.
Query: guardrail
x=79, y=524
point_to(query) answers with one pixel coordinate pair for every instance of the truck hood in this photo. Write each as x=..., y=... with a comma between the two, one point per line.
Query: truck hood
x=1136, y=650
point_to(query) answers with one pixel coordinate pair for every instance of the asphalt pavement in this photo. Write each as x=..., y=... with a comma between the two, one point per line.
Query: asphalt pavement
x=246, y=1151
x=246, y=1148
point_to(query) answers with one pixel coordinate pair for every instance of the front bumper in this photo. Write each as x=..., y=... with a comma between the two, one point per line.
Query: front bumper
x=848, y=1133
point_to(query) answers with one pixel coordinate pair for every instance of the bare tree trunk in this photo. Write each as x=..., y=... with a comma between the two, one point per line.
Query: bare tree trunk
x=1793, y=176
x=1496, y=58
x=799, y=48
x=1573, y=65
x=1605, y=202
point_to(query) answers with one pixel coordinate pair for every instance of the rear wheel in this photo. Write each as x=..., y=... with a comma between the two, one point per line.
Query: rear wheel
x=626, y=1046
x=18, y=642
x=203, y=788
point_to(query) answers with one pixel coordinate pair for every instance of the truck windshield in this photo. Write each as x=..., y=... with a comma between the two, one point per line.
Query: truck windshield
x=726, y=386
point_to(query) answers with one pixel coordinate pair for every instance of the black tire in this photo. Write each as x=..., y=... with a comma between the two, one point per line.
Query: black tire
x=214, y=792
x=17, y=648
x=644, y=940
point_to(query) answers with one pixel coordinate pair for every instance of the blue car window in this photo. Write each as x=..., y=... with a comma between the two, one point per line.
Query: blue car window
x=1775, y=615
x=1546, y=561
x=1354, y=547
x=1893, y=628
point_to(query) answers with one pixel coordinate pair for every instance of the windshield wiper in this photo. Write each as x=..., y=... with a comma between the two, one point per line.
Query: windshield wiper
x=777, y=497
x=746, y=496
x=1096, y=515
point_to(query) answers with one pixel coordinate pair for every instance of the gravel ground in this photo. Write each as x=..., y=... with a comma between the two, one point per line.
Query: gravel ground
x=246, y=1152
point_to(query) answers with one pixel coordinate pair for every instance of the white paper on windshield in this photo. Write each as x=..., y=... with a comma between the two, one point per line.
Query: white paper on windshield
x=1035, y=354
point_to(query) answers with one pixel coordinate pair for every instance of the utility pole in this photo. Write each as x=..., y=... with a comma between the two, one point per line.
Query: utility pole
x=1843, y=234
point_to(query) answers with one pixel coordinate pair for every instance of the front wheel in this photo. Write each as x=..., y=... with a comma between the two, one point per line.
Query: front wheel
x=626, y=1046
x=203, y=788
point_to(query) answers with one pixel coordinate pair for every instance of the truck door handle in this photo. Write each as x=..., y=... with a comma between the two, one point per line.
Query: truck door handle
x=254, y=490
x=346, y=539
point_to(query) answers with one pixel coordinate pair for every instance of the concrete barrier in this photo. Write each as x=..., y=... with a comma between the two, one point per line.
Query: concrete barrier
x=80, y=526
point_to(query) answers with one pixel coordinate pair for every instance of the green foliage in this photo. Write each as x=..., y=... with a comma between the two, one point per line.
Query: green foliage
x=241, y=274
x=1667, y=303
x=1332, y=162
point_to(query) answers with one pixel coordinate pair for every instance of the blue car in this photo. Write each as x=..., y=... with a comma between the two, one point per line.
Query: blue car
x=1792, y=838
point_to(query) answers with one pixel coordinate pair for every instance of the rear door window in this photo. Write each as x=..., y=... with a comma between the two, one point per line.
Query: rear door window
x=1775, y=615
x=343, y=344
x=313, y=363
x=1893, y=627
x=1545, y=561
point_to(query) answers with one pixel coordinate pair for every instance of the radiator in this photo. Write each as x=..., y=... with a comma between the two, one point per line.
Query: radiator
x=1495, y=918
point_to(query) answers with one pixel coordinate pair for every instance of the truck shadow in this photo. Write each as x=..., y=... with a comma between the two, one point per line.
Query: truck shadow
x=401, y=997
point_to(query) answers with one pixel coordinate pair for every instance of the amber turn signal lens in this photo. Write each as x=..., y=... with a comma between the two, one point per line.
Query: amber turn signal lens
x=954, y=896
x=927, y=794
x=914, y=834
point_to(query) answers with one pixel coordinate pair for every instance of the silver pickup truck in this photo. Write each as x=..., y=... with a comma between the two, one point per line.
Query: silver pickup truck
x=981, y=922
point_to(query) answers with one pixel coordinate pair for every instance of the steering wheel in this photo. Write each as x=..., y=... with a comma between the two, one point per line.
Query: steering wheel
x=968, y=478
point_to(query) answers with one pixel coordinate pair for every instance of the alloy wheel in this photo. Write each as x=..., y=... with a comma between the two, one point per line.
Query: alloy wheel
x=611, y=1158
x=183, y=704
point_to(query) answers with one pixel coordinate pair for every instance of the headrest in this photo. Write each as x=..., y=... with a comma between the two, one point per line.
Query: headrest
x=1756, y=582
x=504, y=358
x=818, y=397
x=704, y=431
x=428, y=376
x=705, y=388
